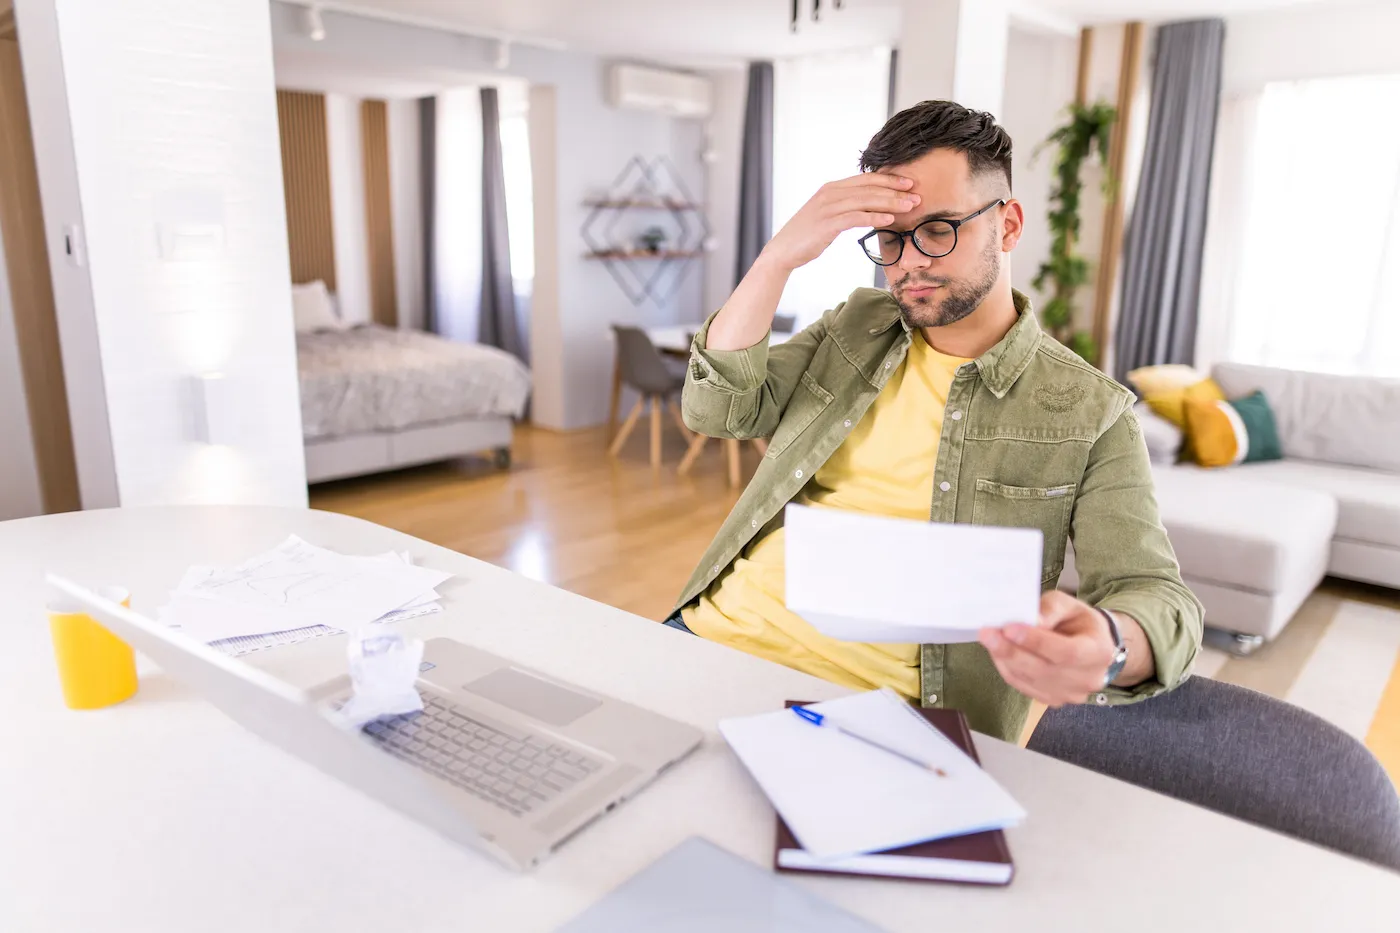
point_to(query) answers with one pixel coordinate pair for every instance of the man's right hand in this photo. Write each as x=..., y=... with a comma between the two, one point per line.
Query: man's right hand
x=870, y=199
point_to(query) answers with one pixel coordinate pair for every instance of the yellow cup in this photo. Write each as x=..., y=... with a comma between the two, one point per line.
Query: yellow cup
x=95, y=667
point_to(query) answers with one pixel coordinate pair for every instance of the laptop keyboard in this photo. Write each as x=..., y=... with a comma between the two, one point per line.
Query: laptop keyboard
x=518, y=773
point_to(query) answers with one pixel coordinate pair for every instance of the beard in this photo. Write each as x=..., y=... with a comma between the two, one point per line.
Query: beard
x=954, y=299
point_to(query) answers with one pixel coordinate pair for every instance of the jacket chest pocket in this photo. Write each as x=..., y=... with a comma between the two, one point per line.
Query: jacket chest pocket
x=1045, y=508
x=808, y=401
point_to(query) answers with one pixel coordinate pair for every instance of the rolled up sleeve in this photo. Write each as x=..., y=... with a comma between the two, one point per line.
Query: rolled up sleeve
x=743, y=393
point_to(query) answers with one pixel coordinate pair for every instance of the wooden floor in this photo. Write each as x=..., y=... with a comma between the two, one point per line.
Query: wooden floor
x=612, y=530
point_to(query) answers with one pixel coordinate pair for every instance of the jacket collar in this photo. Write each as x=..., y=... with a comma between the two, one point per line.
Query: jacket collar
x=1003, y=364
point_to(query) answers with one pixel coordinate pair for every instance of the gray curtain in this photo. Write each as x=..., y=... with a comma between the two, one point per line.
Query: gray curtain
x=427, y=189
x=1166, y=236
x=756, y=170
x=498, y=324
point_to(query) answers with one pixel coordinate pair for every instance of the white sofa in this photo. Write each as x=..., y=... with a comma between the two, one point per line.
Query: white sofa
x=1255, y=539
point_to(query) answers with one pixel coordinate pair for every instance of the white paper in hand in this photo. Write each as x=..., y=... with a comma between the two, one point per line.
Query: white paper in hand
x=870, y=578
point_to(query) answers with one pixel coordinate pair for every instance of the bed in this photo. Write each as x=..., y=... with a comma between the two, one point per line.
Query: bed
x=376, y=399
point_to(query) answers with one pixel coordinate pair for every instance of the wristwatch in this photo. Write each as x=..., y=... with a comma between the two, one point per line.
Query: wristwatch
x=1120, y=650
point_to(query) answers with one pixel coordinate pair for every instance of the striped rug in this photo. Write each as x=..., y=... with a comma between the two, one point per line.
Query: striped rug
x=1338, y=658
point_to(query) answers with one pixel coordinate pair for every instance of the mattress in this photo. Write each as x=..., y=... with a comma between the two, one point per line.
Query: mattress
x=376, y=379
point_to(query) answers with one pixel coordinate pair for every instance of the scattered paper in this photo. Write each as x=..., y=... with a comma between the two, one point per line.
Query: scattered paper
x=842, y=797
x=298, y=591
x=871, y=578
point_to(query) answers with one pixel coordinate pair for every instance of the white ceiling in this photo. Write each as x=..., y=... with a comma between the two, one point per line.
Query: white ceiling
x=700, y=30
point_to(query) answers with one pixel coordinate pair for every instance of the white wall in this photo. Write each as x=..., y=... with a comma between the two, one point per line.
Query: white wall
x=724, y=133
x=594, y=141
x=406, y=210
x=173, y=126
x=1040, y=75
x=345, y=152
x=1318, y=41
x=20, y=494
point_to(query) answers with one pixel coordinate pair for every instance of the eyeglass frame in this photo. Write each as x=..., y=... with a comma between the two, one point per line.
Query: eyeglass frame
x=909, y=235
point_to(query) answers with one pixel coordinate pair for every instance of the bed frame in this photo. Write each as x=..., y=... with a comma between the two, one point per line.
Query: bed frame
x=331, y=458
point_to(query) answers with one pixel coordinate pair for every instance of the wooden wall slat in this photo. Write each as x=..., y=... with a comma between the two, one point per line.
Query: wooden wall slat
x=26, y=257
x=306, y=181
x=379, y=238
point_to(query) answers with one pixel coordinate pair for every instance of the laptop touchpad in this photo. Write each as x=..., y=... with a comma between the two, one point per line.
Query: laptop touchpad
x=525, y=693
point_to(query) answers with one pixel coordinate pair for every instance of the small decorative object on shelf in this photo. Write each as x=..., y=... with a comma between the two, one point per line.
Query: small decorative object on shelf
x=647, y=261
x=652, y=239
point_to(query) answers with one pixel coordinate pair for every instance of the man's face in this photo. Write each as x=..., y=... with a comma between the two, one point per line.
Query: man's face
x=936, y=292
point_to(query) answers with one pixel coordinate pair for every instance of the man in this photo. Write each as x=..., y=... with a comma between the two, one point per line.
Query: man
x=939, y=399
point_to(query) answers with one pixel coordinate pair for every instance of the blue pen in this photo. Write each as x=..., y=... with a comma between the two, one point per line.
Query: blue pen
x=817, y=719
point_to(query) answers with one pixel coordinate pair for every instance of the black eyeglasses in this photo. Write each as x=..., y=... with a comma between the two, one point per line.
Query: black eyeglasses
x=934, y=238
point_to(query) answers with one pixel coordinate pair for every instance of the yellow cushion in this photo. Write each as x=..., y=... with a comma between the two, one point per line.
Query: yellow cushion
x=1164, y=379
x=1214, y=440
x=1170, y=404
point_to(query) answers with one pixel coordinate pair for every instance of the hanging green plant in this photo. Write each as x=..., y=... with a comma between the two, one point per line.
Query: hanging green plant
x=1088, y=132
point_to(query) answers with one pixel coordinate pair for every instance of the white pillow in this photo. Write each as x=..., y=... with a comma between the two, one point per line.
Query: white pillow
x=312, y=309
x=1163, y=438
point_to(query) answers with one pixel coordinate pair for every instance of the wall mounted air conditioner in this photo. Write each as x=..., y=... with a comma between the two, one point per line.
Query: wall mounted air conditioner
x=637, y=87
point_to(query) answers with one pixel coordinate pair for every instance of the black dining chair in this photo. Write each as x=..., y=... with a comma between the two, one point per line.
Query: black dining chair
x=1240, y=753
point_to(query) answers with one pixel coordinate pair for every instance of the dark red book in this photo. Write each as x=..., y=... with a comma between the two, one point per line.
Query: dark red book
x=978, y=858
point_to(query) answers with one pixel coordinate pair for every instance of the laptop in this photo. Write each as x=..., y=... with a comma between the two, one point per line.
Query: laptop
x=698, y=887
x=502, y=759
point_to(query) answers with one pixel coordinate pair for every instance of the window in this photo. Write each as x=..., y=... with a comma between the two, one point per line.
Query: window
x=520, y=200
x=1318, y=285
x=825, y=109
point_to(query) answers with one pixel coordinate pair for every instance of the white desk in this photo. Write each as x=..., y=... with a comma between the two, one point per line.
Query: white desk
x=161, y=815
x=676, y=339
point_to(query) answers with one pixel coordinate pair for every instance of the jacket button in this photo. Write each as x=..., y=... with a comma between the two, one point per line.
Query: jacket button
x=933, y=698
x=945, y=486
x=754, y=523
x=957, y=416
x=714, y=569
x=798, y=474
x=848, y=422
x=1101, y=699
x=888, y=364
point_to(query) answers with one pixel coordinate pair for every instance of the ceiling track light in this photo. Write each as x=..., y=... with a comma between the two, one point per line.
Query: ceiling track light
x=315, y=24
x=816, y=11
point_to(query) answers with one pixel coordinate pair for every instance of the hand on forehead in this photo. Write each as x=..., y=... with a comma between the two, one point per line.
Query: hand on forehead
x=945, y=186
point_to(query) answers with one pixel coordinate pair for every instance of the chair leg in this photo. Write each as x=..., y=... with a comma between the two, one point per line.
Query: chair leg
x=731, y=453
x=616, y=396
x=656, y=432
x=676, y=417
x=626, y=430
x=697, y=444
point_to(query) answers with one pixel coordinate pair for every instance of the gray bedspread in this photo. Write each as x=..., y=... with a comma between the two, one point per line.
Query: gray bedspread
x=377, y=379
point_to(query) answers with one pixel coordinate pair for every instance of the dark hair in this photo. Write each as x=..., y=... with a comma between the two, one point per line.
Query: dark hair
x=940, y=124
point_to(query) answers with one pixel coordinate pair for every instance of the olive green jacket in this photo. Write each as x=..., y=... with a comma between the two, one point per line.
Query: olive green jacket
x=1032, y=436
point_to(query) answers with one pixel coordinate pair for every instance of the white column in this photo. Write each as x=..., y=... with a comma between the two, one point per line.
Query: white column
x=952, y=50
x=157, y=144
x=349, y=228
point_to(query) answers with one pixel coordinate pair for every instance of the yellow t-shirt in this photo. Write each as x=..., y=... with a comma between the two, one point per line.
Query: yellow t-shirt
x=885, y=466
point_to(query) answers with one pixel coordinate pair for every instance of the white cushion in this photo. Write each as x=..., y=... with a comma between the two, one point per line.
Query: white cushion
x=1368, y=500
x=1351, y=420
x=312, y=309
x=1259, y=536
x=1162, y=437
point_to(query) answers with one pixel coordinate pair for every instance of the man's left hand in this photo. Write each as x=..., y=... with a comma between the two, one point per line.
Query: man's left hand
x=1060, y=660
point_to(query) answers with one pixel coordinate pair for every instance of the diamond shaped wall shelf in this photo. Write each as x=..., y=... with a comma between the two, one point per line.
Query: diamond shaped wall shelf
x=650, y=263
